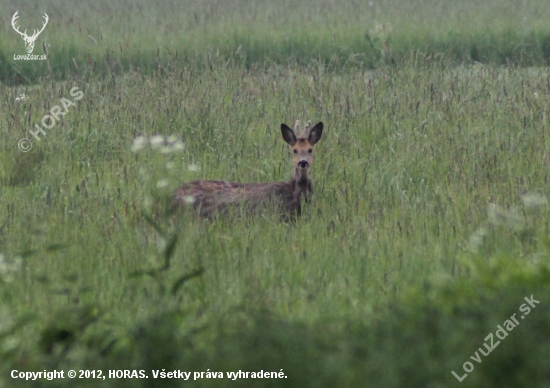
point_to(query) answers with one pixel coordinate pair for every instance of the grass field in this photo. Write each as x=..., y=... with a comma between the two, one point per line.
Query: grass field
x=428, y=228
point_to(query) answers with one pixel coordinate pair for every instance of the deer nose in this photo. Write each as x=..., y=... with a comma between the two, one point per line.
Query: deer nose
x=303, y=164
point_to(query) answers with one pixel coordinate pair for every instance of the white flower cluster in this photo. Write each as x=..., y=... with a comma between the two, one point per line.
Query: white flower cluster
x=533, y=200
x=8, y=268
x=21, y=98
x=166, y=145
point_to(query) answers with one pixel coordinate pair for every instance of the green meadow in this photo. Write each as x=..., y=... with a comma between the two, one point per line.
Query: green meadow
x=422, y=260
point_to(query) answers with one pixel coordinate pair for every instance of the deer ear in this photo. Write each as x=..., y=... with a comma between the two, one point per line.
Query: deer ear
x=315, y=133
x=288, y=134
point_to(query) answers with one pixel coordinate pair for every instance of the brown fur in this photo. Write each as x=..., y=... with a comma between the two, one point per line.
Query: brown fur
x=212, y=197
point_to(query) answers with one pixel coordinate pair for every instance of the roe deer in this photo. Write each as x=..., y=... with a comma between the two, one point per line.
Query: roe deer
x=211, y=197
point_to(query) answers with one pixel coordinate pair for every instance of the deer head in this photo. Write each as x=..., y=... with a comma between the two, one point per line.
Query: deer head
x=302, y=146
x=29, y=40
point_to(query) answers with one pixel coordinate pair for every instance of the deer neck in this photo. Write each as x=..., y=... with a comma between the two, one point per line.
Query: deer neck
x=300, y=180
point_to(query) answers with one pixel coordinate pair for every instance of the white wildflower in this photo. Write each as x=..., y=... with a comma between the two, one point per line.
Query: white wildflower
x=161, y=243
x=163, y=183
x=193, y=167
x=178, y=146
x=139, y=143
x=533, y=200
x=165, y=150
x=10, y=344
x=189, y=199
x=21, y=98
x=172, y=139
x=170, y=165
x=9, y=268
x=156, y=141
x=507, y=217
x=476, y=239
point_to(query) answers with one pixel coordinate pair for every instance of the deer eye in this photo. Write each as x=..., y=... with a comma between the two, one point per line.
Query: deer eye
x=295, y=151
x=310, y=150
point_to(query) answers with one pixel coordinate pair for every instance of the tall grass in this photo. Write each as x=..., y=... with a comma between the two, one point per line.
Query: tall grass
x=428, y=226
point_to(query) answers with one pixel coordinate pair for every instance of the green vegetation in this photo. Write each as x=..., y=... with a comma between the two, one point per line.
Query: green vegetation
x=105, y=36
x=428, y=227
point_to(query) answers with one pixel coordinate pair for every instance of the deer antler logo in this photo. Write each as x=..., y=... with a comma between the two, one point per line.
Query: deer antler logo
x=29, y=40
